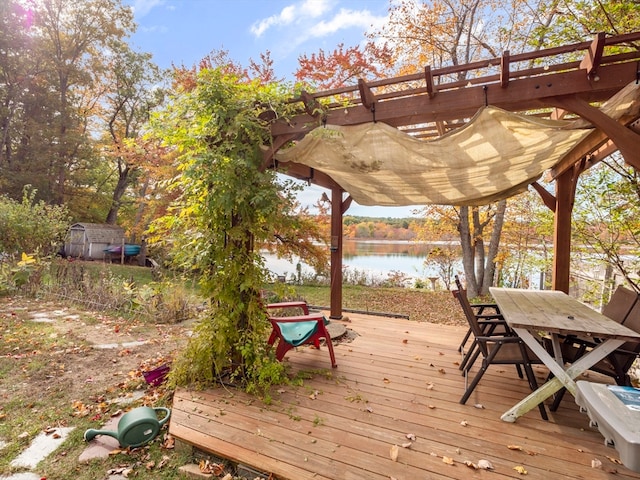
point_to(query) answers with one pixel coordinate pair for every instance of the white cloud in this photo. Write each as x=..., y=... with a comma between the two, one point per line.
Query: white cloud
x=142, y=7
x=319, y=28
x=292, y=14
x=345, y=19
x=154, y=29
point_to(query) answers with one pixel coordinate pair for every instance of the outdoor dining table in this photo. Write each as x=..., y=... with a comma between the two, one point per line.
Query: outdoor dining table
x=532, y=312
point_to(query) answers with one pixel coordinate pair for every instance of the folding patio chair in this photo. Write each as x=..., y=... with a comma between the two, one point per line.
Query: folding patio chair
x=293, y=331
x=479, y=310
x=503, y=349
x=488, y=324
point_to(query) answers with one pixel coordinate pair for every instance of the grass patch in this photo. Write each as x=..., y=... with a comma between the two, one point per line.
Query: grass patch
x=420, y=305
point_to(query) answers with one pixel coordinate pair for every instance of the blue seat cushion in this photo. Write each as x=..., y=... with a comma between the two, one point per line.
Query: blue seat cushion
x=296, y=333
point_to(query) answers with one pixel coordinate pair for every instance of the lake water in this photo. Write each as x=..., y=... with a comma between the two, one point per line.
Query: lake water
x=374, y=259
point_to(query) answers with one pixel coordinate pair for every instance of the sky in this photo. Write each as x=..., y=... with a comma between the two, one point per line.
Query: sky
x=181, y=32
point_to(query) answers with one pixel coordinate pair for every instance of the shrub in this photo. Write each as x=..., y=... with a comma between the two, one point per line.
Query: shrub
x=31, y=227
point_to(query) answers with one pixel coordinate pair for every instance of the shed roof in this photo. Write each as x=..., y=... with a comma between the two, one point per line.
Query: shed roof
x=100, y=232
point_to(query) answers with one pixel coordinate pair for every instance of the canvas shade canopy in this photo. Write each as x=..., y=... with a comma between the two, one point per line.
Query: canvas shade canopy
x=496, y=155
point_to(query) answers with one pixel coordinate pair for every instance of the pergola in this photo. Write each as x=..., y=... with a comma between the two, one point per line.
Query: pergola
x=582, y=100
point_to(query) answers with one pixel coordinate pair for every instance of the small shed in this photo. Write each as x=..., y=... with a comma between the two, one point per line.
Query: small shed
x=89, y=240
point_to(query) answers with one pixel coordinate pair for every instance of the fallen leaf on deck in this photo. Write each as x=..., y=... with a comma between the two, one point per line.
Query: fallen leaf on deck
x=406, y=445
x=447, y=460
x=470, y=464
x=479, y=406
x=614, y=460
x=514, y=447
x=442, y=370
x=429, y=385
x=464, y=423
x=595, y=463
x=411, y=436
x=393, y=453
x=386, y=380
x=404, y=340
x=485, y=464
x=521, y=470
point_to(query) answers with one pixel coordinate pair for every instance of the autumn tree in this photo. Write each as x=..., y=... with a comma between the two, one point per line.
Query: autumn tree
x=132, y=91
x=74, y=38
x=53, y=96
x=439, y=34
x=527, y=242
x=343, y=66
x=606, y=226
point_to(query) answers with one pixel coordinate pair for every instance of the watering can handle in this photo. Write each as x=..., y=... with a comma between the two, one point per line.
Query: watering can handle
x=167, y=414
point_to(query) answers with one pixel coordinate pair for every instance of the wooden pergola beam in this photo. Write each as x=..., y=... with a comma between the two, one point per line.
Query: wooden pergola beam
x=593, y=57
x=428, y=78
x=624, y=138
x=367, y=97
x=504, y=69
x=452, y=105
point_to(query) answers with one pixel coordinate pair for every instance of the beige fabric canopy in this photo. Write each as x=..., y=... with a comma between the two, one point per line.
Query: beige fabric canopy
x=496, y=155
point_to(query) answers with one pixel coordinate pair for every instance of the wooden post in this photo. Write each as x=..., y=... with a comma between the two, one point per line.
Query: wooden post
x=565, y=194
x=336, y=253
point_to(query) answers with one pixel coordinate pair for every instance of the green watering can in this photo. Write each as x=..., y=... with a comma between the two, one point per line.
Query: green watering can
x=136, y=427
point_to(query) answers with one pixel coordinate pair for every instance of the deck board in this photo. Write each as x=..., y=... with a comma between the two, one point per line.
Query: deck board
x=397, y=377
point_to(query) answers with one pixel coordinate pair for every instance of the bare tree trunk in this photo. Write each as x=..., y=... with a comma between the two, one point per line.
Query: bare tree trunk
x=479, y=266
x=494, y=243
x=468, y=255
x=118, y=193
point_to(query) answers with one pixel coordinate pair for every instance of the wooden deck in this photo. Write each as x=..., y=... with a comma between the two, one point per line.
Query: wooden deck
x=396, y=378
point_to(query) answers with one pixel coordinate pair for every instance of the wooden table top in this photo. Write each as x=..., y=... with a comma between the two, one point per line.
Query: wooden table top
x=556, y=312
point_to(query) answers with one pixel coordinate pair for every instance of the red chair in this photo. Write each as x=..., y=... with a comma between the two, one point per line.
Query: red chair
x=291, y=332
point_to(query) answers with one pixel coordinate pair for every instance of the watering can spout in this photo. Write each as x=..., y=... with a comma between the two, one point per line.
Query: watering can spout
x=92, y=433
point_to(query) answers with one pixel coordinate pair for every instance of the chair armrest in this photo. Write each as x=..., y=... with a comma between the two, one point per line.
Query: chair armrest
x=500, y=338
x=298, y=318
x=480, y=307
x=495, y=317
